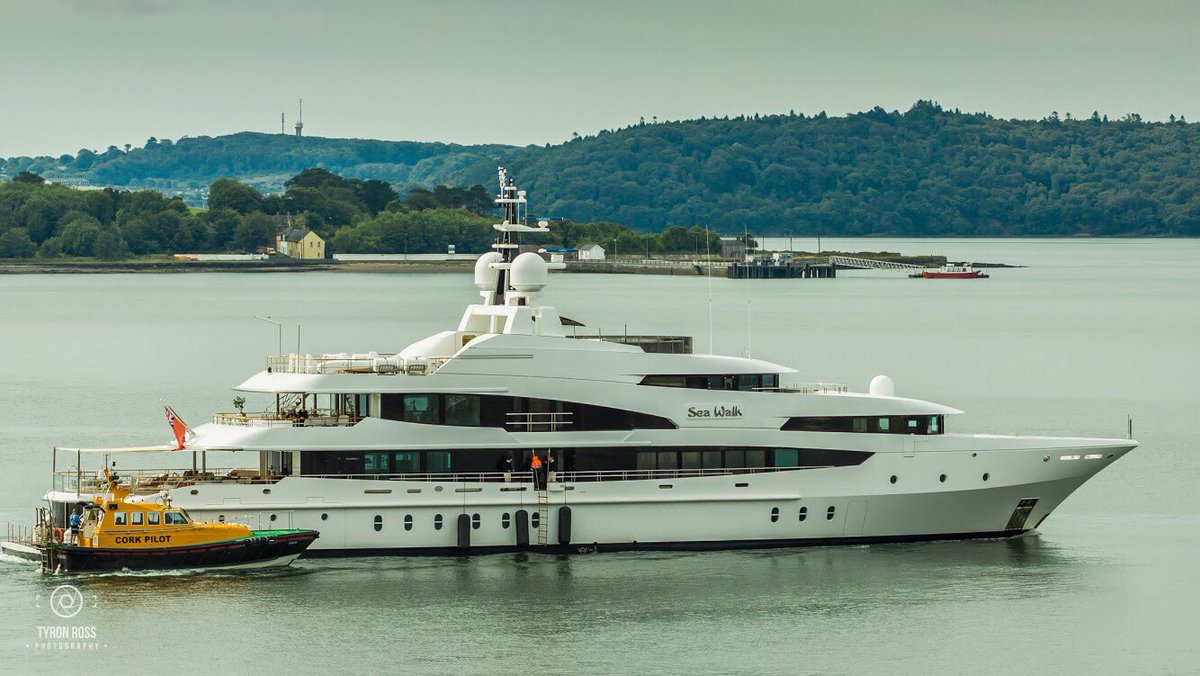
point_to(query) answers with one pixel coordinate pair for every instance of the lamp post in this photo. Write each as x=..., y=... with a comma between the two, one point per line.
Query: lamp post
x=279, y=324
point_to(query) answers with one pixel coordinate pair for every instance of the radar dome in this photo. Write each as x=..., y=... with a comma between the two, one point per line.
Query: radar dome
x=529, y=273
x=882, y=386
x=485, y=275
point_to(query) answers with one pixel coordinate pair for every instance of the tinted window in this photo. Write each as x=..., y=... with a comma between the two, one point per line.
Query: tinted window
x=152, y=518
x=462, y=409
x=135, y=518
x=423, y=408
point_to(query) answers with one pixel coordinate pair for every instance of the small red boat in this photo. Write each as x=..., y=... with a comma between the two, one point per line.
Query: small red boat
x=951, y=271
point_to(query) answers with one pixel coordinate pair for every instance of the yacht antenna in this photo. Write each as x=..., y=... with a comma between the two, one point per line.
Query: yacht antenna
x=508, y=200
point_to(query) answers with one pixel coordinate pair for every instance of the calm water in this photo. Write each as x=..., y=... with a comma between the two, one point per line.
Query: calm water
x=1091, y=332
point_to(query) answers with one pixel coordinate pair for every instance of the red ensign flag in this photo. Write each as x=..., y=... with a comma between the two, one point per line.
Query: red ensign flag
x=177, y=426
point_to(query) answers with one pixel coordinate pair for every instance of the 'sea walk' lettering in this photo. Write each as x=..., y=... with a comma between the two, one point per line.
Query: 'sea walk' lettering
x=143, y=539
x=715, y=411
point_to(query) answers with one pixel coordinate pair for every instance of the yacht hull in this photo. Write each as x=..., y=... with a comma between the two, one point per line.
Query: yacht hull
x=934, y=496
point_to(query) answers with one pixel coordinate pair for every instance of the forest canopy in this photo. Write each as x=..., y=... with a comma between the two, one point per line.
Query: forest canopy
x=926, y=171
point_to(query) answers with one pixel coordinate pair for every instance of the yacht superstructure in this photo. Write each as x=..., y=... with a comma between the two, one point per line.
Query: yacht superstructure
x=642, y=444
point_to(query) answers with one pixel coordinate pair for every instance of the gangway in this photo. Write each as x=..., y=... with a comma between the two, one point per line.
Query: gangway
x=868, y=263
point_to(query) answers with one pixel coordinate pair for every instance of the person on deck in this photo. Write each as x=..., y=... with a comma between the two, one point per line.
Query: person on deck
x=73, y=525
x=535, y=466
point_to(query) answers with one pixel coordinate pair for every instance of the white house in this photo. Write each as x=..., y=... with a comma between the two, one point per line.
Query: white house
x=591, y=252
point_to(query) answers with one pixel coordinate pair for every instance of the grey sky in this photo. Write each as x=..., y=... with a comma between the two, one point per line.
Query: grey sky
x=90, y=74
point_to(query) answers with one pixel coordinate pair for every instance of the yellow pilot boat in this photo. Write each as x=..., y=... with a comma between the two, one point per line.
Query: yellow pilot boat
x=119, y=531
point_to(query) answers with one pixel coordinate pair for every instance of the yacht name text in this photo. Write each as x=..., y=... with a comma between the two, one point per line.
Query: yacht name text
x=714, y=411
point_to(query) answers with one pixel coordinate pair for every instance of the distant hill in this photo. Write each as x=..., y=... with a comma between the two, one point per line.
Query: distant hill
x=923, y=172
x=262, y=160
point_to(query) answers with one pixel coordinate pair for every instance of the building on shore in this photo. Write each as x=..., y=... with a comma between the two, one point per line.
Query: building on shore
x=298, y=243
x=591, y=252
x=733, y=247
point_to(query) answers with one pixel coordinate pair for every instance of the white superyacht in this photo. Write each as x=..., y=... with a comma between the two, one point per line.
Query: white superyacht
x=642, y=445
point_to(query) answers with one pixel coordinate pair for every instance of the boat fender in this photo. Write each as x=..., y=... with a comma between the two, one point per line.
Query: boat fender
x=464, y=532
x=522, y=528
x=564, y=525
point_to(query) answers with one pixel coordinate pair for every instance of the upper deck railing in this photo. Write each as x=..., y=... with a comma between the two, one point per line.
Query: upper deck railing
x=150, y=481
x=284, y=419
x=387, y=364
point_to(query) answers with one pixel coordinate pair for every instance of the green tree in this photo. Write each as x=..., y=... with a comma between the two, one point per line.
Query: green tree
x=28, y=177
x=255, y=230
x=15, y=243
x=226, y=193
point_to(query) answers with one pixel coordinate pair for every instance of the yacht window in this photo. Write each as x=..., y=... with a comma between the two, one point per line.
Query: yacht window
x=135, y=518
x=175, y=519
x=770, y=381
x=774, y=514
x=668, y=460
x=475, y=521
x=735, y=458
x=756, y=457
x=152, y=518
x=437, y=461
x=646, y=460
x=462, y=409
x=665, y=381
x=884, y=424
x=505, y=520
x=120, y=519
x=935, y=424
x=712, y=460
x=378, y=522
x=362, y=402
x=376, y=463
x=749, y=382
x=408, y=521
x=786, y=457
x=690, y=460
x=437, y=521
x=407, y=462
x=803, y=513
x=861, y=425
x=423, y=408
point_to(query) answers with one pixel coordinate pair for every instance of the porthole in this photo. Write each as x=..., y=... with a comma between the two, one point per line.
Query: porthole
x=803, y=513
x=830, y=512
x=1046, y=458
x=195, y=492
x=437, y=489
x=408, y=522
x=942, y=478
x=266, y=491
x=986, y=476
x=774, y=514
x=893, y=479
x=273, y=517
x=324, y=517
x=378, y=522
x=475, y=522
x=536, y=520
x=505, y=520
x=437, y=521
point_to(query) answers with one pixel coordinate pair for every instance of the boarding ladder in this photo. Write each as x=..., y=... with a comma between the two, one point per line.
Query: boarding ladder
x=543, y=507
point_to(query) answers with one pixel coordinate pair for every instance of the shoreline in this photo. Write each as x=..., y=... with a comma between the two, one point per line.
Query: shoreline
x=669, y=267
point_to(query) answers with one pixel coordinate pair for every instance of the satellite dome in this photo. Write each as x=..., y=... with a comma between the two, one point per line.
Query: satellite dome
x=529, y=273
x=485, y=275
x=882, y=386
